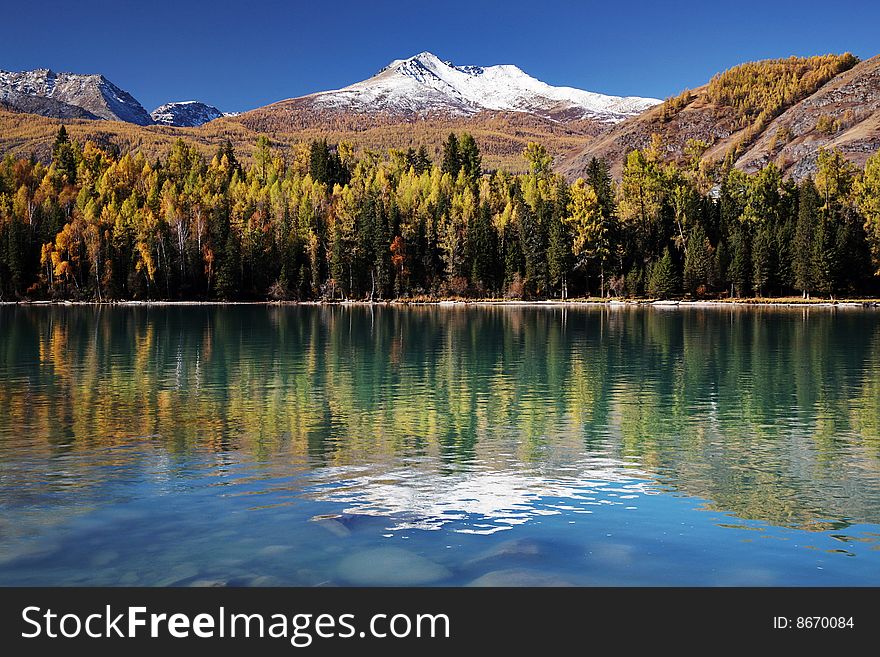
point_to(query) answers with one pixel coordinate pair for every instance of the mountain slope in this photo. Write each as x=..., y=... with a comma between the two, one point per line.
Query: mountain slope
x=739, y=112
x=842, y=114
x=15, y=101
x=95, y=94
x=185, y=114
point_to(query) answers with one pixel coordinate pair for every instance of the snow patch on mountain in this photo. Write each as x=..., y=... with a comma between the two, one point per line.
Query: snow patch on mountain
x=185, y=114
x=425, y=84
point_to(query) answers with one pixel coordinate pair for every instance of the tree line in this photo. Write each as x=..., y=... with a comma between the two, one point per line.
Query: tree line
x=99, y=225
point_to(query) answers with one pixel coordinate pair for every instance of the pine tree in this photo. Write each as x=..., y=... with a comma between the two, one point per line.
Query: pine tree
x=663, y=281
x=64, y=155
x=483, y=246
x=226, y=157
x=598, y=176
x=320, y=163
x=451, y=161
x=559, y=245
x=411, y=158
x=699, y=261
x=762, y=259
x=229, y=272
x=469, y=158
x=423, y=161
x=740, y=270
x=533, y=246
x=808, y=206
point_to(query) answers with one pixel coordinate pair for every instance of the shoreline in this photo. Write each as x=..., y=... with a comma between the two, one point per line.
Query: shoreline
x=548, y=303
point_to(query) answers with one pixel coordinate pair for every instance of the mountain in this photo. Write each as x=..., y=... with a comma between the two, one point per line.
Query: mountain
x=48, y=93
x=185, y=114
x=775, y=110
x=424, y=84
x=421, y=99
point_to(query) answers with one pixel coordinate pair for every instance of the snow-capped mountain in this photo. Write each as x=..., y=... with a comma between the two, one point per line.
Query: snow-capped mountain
x=185, y=114
x=424, y=84
x=46, y=92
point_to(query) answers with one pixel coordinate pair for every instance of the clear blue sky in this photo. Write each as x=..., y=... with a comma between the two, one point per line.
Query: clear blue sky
x=243, y=54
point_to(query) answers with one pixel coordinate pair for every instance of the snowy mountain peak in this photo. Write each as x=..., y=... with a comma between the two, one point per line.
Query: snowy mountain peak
x=425, y=84
x=185, y=114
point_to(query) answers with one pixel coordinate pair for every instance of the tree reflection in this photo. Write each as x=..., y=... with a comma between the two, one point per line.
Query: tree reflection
x=768, y=414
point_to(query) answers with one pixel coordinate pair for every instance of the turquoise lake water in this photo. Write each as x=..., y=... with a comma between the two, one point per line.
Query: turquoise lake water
x=284, y=445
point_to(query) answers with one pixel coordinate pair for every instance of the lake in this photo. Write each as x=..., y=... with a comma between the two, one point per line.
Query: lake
x=479, y=445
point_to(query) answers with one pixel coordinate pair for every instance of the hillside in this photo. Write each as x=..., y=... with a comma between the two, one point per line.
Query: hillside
x=23, y=135
x=502, y=137
x=740, y=111
x=843, y=114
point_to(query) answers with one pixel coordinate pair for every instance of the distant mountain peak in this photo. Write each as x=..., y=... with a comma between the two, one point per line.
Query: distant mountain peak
x=426, y=84
x=185, y=114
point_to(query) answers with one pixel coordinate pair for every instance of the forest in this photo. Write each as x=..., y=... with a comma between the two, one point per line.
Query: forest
x=333, y=223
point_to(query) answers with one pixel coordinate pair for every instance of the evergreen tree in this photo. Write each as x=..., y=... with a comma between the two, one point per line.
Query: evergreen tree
x=699, y=261
x=411, y=158
x=321, y=162
x=533, y=246
x=483, y=246
x=229, y=278
x=226, y=157
x=598, y=177
x=740, y=270
x=513, y=259
x=808, y=206
x=762, y=259
x=469, y=158
x=64, y=155
x=423, y=161
x=825, y=265
x=559, y=245
x=663, y=281
x=451, y=161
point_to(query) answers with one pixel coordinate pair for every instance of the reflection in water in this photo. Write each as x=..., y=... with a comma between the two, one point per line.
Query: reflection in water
x=486, y=422
x=479, y=501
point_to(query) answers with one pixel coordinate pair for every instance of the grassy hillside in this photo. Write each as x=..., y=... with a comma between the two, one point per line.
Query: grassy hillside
x=501, y=137
x=728, y=114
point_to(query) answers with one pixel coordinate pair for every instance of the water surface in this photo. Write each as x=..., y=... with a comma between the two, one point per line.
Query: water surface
x=266, y=445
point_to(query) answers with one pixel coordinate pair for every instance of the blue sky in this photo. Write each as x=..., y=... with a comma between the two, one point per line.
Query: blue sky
x=240, y=55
